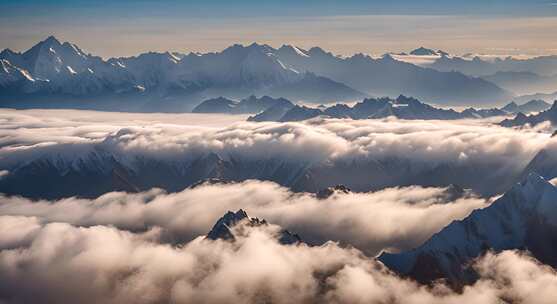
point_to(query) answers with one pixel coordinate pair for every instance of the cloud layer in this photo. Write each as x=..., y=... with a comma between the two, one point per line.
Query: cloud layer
x=58, y=262
x=148, y=247
x=395, y=218
x=469, y=147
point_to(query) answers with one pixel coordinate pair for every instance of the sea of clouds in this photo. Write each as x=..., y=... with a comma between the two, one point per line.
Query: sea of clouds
x=149, y=247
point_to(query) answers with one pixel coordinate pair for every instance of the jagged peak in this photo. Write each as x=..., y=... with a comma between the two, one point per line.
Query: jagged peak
x=254, y=46
x=223, y=228
x=51, y=39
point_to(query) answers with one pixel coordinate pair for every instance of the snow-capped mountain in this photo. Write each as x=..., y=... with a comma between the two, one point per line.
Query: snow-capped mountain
x=402, y=107
x=387, y=76
x=524, y=218
x=67, y=73
x=252, y=104
x=235, y=72
x=232, y=223
x=63, y=68
x=521, y=119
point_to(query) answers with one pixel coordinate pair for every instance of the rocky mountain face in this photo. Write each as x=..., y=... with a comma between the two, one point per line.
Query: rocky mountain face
x=523, y=218
x=233, y=223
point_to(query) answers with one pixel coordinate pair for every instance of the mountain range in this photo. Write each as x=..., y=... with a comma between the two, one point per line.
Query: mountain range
x=99, y=169
x=524, y=218
x=402, y=107
x=549, y=115
x=535, y=105
x=55, y=74
x=279, y=109
x=476, y=66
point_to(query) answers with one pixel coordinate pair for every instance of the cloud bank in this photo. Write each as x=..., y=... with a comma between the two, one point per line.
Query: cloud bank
x=394, y=218
x=495, y=152
x=58, y=262
x=148, y=247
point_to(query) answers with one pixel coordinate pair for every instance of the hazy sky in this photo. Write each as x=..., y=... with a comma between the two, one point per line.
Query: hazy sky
x=344, y=27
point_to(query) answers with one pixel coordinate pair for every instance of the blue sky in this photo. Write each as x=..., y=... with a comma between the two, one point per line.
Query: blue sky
x=228, y=8
x=118, y=28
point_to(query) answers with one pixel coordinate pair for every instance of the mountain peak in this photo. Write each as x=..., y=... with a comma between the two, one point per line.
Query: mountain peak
x=223, y=228
x=49, y=42
x=422, y=51
x=51, y=39
x=317, y=51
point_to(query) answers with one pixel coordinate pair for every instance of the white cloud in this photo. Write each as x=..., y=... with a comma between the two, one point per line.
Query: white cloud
x=470, y=147
x=395, y=218
x=63, y=263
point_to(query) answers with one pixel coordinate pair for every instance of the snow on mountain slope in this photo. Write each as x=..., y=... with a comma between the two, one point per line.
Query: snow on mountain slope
x=236, y=72
x=10, y=74
x=524, y=218
x=387, y=76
